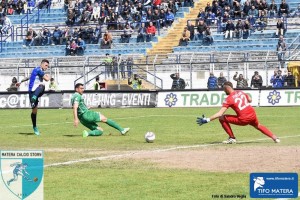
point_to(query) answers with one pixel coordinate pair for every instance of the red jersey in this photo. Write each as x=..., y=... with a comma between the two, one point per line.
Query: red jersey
x=239, y=102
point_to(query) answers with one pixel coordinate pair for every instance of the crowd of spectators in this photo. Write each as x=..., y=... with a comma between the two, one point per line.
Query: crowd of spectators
x=19, y=7
x=237, y=18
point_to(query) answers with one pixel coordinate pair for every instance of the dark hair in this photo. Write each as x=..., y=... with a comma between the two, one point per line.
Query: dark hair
x=45, y=60
x=78, y=85
x=52, y=79
x=228, y=83
x=97, y=78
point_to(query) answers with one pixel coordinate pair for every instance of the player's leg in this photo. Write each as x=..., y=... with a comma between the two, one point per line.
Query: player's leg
x=33, y=120
x=264, y=130
x=39, y=91
x=225, y=121
x=95, y=129
x=113, y=124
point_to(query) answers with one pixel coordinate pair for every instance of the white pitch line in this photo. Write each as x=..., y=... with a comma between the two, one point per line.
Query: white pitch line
x=151, y=151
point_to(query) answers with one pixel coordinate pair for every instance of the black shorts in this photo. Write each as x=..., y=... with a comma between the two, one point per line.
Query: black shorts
x=31, y=93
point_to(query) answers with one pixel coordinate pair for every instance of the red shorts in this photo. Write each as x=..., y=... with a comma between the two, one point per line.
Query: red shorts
x=233, y=119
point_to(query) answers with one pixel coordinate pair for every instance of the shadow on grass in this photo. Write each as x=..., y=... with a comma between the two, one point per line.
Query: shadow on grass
x=72, y=135
x=26, y=133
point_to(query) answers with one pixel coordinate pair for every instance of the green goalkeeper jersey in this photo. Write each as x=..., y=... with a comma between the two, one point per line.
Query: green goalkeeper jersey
x=76, y=97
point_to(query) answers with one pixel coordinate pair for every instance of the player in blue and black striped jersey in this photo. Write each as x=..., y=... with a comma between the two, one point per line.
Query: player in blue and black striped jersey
x=36, y=89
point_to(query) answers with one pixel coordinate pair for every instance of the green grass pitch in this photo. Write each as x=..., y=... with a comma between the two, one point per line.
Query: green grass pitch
x=126, y=178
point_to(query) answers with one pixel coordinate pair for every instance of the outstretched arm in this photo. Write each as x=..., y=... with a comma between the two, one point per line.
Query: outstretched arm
x=204, y=120
x=76, y=121
x=218, y=114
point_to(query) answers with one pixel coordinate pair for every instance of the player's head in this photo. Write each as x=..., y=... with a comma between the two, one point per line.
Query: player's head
x=228, y=87
x=44, y=64
x=79, y=88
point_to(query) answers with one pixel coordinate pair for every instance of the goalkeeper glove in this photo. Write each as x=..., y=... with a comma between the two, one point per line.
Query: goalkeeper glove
x=202, y=120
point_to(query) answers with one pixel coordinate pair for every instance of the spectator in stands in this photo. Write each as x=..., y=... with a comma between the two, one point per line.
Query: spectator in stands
x=129, y=66
x=108, y=61
x=229, y=30
x=106, y=41
x=89, y=38
x=70, y=18
x=162, y=17
x=280, y=27
x=281, y=48
x=30, y=5
x=201, y=14
x=135, y=83
x=125, y=37
x=185, y=37
x=19, y=7
x=283, y=9
x=114, y=68
x=6, y=25
x=246, y=29
x=211, y=18
x=103, y=15
x=142, y=33
x=289, y=80
x=239, y=29
x=29, y=39
x=273, y=9
x=201, y=28
x=73, y=48
x=151, y=30
x=253, y=12
x=97, y=34
x=95, y=13
x=52, y=85
x=169, y=18
x=241, y=81
x=122, y=68
x=277, y=79
x=256, y=80
x=81, y=46
x=207, y=38
x=246, y=9
x=221, y=80
x=85, y=17
x=97, y=85
x=237, y=10
x=13, y=87
x=10, y=10
x=46, y=36
x=212, y=82
x=56, y=36
x=262, y=22
x=191, y=29
x=262, y=8
x=66, y=35
x=178, y=83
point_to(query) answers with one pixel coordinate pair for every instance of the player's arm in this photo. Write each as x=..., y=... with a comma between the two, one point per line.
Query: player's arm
x=204, y=120
x=249, y=98
x=218, y=114
x=76, y=120
x=46, y=77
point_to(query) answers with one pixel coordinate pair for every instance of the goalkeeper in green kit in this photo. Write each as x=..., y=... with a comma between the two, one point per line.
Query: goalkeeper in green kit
x=90, y=118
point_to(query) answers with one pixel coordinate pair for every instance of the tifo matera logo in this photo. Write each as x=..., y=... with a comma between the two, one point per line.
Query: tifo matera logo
x=258, y=182
x=171, y=99
x=274, y=97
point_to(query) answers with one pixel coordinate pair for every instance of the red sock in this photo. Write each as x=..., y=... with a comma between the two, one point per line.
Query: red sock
x=266, y=131
x=226, y=126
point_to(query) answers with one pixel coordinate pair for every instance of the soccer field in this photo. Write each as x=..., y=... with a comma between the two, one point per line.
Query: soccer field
x=185, y=161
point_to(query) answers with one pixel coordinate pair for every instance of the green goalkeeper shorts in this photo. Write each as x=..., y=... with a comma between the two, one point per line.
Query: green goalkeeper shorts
x=89, y=119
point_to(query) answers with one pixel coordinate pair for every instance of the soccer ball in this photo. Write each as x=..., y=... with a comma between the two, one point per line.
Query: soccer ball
x=149, y=137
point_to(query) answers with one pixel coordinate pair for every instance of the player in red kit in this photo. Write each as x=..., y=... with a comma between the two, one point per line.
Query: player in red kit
x=245, y=114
